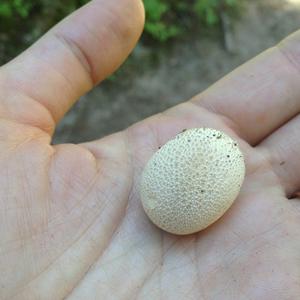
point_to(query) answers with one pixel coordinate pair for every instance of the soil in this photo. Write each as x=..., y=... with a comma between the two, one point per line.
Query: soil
x=156, y=79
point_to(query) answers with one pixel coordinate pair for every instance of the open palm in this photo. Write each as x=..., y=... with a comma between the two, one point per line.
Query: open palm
x=72, y=226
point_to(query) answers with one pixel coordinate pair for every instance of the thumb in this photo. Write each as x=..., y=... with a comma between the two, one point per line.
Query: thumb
x=69, y=60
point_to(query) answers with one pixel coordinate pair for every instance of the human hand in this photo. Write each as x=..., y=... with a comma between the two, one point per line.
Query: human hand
x=72, y=226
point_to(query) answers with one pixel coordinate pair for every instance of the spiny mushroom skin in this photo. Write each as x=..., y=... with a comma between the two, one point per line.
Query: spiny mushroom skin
x=192, y=180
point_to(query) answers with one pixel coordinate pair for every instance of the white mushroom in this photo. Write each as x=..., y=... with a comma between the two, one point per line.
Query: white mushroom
x=192, y=180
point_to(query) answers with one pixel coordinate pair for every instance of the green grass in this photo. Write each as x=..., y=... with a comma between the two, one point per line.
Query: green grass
x=23, y=21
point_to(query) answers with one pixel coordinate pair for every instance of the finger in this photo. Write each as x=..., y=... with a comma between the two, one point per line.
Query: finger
x=282, y=149
x=261, y=95
x=75, y=55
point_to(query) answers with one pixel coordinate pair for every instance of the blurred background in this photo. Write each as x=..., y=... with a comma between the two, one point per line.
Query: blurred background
x=186, y=46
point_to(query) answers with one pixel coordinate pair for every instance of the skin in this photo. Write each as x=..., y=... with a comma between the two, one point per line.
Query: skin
x=71, y=222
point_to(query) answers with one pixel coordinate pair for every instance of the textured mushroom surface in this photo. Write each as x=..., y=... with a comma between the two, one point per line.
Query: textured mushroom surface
x=192, y=180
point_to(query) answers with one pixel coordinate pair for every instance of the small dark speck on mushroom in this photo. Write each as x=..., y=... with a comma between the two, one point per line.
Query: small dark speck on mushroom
x=184, y=130
x=219, y=136
x=188, y=140
x=159, y=147
x=228, y=155
x=202, y=191
x=282, y=163
x=235, y=144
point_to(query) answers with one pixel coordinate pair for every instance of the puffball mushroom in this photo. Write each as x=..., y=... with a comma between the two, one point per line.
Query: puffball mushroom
x=192, y=180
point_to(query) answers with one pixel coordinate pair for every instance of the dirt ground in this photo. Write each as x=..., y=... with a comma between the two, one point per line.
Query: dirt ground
x=177, y=72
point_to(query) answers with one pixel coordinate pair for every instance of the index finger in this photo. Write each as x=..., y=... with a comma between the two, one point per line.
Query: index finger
x=262, y=94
